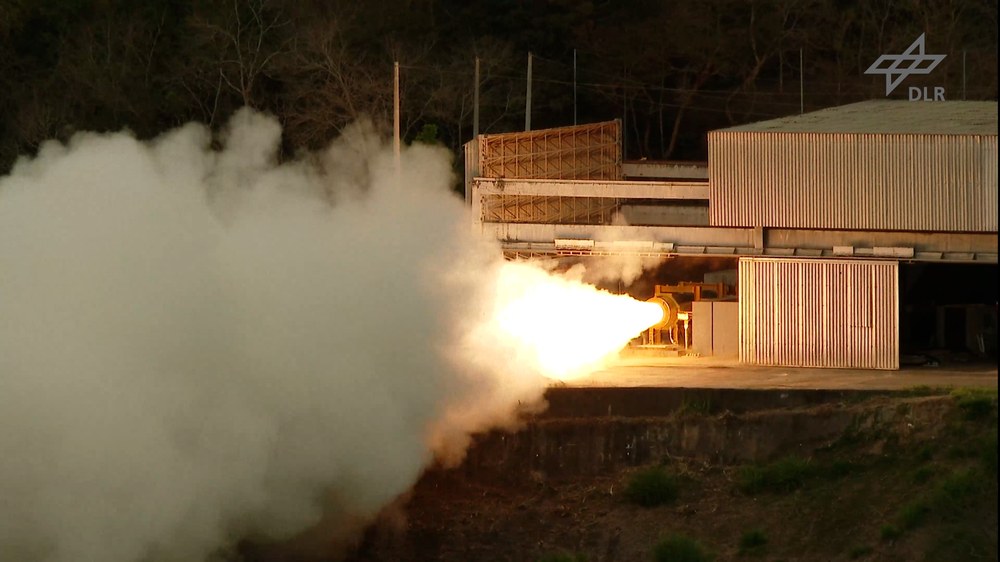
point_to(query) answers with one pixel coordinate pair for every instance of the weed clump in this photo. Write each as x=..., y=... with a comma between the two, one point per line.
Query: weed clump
x=783, y=475
x=680, y=548
x=652, y=487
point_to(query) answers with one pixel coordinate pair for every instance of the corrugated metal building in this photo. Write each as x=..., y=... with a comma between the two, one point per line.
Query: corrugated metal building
x=819, y=208
x=874, y=165
x=870, y=166
x=819, y=313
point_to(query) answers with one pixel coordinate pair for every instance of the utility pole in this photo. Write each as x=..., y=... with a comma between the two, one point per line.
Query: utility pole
x=527, y=100
x=475, y=133
x=574, y=86
x=395, y=116
x=475, y=105
x=802, y=97
x=963, y=74
x=624, y=112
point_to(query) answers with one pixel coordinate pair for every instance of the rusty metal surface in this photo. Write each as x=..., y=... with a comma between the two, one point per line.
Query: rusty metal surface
x=819, y=313
x=590, y=151
x=503, y=208
x=902, y=182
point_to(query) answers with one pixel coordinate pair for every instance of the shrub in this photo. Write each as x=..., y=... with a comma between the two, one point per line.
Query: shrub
x=890, y=532
x=782, y=475
x=752, y=541
x=652, y=487
x=925, y=453
x=859, y=551
x=680, y=548
x=923, y=474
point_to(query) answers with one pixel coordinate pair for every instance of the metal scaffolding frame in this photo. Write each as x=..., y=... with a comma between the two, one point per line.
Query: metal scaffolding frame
x=582, y=152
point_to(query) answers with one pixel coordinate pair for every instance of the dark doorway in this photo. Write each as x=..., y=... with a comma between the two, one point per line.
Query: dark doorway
x=948, y=309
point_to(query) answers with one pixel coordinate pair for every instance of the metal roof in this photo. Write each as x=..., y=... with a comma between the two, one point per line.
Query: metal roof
x=889, y=117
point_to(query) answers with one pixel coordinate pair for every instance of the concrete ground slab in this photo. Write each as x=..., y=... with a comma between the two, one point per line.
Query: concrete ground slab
x=686, y=372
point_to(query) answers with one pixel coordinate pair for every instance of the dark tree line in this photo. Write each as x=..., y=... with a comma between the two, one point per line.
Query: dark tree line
x=670, y=69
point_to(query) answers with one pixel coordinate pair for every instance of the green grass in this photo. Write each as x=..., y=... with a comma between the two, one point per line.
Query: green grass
x=753, y=542
x=913, y=514
x=783, y=475
x=651, y=487
x=952, y=493
x=680, y=548
x=948, y=500
x=924, y=390
x=976, y=404
x=694, y=407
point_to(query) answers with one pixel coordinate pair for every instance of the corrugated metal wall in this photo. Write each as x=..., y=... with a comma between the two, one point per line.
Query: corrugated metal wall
x=944, y=183
x=585, y=152
x=819, y=313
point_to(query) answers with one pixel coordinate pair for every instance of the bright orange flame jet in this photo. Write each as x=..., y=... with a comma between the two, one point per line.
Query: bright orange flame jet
x=565, y=328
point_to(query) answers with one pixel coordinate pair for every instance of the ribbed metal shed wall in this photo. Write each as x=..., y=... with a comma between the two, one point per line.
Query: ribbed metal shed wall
x=915, y=182
x=819, y=313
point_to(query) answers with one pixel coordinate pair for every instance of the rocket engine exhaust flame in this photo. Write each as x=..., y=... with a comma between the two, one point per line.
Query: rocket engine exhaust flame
x=565, y=328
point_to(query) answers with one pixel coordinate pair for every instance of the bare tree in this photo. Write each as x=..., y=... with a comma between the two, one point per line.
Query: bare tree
x=249, y=38
x=331, y=83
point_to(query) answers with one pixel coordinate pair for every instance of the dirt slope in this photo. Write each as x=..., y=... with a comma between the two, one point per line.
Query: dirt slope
x=897, y=477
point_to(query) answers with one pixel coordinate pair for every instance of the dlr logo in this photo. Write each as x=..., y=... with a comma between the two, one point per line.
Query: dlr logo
x=923, y=94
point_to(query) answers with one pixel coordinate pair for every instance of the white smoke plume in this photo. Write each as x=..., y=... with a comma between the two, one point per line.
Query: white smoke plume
x=196, y=345
x=626, y=266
